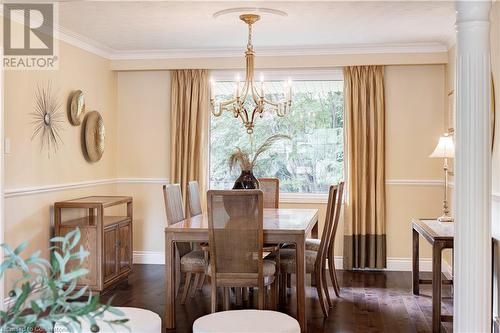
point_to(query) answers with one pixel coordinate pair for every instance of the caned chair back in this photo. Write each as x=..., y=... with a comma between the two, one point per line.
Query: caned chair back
x=235, y=221
x=173, y=203
x=194, y=198
x=271, y=189
x=172, y=196
x=328, y=228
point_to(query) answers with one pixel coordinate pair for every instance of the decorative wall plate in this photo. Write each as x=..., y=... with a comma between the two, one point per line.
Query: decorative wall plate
x=94, y=135
x=77, y=108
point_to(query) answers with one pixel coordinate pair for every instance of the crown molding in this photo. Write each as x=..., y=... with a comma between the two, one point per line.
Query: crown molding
x=104, y=51
x=84, y=43
x=283, y=51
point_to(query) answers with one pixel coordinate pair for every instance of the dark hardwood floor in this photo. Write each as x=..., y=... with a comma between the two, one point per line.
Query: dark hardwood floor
x=370, y=302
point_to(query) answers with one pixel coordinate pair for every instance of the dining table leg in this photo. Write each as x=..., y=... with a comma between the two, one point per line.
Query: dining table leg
x=415, y=263
x=315, y=235
x=301, y=281
x=437, y=249
x=170, y=281
x=314, y=231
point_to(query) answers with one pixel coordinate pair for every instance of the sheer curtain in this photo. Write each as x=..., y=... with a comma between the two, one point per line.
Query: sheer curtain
x=365, y=223
x=189, y=130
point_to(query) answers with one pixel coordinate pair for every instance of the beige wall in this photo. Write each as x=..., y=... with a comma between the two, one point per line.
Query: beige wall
x=144, y=150
x=414, y=120
x=29, y=217
x=27, y=166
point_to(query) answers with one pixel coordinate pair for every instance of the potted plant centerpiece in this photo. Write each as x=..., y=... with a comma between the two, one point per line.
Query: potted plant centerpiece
x=248, y=161
x=45, y=295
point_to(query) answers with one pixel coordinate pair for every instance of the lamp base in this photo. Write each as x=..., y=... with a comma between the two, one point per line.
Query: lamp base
x=445, y=218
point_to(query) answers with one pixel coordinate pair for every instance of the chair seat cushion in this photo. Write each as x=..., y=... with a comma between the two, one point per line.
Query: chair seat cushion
x=140, y=320
x=268, y=268
x=313, y=244
x=287, y=259
x=246, y=321
x=194, y=260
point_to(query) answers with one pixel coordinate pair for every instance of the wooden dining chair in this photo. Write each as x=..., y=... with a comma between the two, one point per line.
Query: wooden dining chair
x=194, y=198
x=313, y=244
x=315, y=260
x=192, y=262
x=331, y=246
x=271, y=189
x=235, y=220
x=195, y=210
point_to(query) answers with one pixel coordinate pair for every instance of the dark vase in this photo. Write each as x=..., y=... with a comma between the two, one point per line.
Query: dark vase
x=246, y=181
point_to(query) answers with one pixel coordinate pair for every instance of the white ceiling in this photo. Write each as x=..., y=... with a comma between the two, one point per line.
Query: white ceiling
x=186, y=25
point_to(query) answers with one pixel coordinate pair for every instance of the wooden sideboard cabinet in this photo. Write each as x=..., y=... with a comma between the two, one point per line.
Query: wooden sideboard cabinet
x=107, y=236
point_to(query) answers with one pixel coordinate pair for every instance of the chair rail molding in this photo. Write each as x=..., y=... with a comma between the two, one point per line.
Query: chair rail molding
x=472, y=310
x=24, y=191
x=309, y=198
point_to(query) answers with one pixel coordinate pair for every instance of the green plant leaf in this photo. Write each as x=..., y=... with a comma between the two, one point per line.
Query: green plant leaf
x=67, y=277
x=61, y=262
x=35, y=307
x=115, y=311
x=57, y=239
x=76, y=239
x=21, y=248
x=45, y=293
x=79, y=293
x=22, y=297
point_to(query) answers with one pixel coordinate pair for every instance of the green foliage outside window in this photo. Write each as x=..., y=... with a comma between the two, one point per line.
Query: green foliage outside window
x=309, y=163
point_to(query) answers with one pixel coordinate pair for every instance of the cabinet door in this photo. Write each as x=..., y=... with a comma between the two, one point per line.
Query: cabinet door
x=125, y=247
x=110, y=248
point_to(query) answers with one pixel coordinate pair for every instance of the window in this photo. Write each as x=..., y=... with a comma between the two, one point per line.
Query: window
x=308, y=163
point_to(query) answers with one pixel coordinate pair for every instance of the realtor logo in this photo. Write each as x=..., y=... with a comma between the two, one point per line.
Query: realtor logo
x=28, y=36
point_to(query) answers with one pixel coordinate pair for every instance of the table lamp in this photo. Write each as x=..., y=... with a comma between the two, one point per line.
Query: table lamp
x=445, y=149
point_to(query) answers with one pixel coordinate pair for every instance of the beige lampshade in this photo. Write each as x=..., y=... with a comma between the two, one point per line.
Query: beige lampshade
x=445, y=148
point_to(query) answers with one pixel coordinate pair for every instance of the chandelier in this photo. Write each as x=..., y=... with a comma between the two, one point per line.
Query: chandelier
x=249, y=96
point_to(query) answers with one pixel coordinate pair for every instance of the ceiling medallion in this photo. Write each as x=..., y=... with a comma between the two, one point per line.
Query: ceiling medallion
x=246, y=10
x=249, y=96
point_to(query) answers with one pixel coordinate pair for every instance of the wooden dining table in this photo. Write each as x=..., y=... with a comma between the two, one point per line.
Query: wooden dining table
x=280, y=226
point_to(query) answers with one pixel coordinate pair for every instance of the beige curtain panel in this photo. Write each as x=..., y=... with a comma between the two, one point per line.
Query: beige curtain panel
x=365, y=229
x=189, y=129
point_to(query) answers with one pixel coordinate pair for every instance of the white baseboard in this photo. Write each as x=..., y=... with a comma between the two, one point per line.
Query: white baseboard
x=149, y=257
x=393, y=264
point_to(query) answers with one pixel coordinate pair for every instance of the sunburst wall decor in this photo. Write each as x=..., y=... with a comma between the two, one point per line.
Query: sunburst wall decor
x=48, y=118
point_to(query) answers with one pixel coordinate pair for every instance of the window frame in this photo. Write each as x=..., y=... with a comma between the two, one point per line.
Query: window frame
x=305, y=74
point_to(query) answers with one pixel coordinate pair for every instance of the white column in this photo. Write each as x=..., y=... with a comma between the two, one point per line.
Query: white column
x=472, y=285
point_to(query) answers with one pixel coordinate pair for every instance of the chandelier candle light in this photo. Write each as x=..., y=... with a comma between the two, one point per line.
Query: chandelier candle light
x=445, y=149
x=249, y=95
